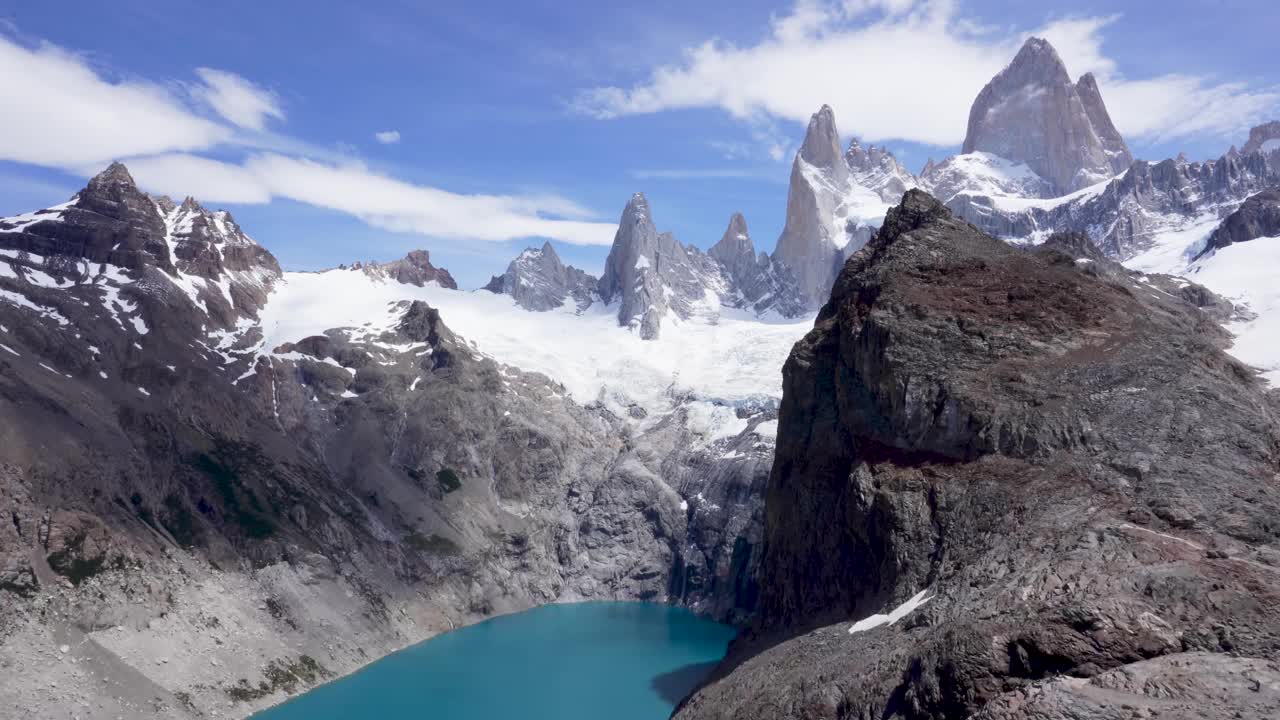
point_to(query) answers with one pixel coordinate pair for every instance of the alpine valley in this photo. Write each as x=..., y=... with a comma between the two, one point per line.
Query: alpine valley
x=994, y=440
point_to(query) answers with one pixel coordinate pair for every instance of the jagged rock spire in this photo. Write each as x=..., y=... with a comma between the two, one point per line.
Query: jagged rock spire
x=810, y=244
x=821, y=146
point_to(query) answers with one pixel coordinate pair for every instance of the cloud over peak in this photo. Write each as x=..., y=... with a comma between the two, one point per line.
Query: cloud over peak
x=909, y=70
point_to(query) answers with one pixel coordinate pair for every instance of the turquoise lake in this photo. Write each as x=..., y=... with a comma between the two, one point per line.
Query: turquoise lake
x=585, y=661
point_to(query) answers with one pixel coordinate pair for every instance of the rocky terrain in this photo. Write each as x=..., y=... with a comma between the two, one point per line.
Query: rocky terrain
x=651, y=277
x=1045, y=463
x=205, y=514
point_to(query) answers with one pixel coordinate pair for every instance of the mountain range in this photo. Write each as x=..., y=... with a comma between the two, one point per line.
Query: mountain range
x=1019, y=399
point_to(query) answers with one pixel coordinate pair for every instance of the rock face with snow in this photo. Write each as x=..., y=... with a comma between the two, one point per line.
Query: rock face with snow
x=1032, y=113
x=111, y=238
x=966, y=447
x=413, y=269
x=877, y=169
x=755, y=280
x=1131, y=213
x=1258, y=217
x=982, y=175
x=828, y=214
x=653, y=277
x=539, y=281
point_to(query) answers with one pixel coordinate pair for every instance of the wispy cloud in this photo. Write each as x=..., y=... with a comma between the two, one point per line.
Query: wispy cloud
x=379, y=200
x=63, y=114
x=861, y=57
x=72, y=118
x=239, y=101
x=387, y=137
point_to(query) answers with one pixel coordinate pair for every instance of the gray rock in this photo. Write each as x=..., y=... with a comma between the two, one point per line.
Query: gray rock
x=538, y=280
x=1149, y=198
x=1032, y=113
x=813, y=240
x=877, y=169
x=754, y=280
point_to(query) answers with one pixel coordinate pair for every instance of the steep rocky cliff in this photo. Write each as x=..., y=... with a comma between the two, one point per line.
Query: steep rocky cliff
x=1013, y=484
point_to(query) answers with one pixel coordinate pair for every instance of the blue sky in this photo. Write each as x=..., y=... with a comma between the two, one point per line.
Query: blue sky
x=518, y=121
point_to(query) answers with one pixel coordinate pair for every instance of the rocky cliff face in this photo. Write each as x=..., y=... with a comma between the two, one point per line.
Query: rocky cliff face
x=207, y=523
x=1032, y=113
x=537, y=280
x=1257, y=217
x=993, y=449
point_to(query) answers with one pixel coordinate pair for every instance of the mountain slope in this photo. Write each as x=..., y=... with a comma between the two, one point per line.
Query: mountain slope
x=229, y=483
x=997, y=446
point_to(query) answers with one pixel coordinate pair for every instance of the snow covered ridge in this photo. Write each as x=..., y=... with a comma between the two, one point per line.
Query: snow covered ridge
x=713, y=367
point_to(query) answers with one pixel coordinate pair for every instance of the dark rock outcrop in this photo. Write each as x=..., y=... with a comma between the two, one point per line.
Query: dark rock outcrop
x=1063, y=470
x=413, y=269
x=1259, y=216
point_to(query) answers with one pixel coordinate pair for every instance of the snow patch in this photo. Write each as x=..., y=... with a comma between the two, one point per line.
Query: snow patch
x=903, y=610
x=1246, y=273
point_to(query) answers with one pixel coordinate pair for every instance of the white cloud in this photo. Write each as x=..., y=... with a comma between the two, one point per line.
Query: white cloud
x=387, y=137
x=236, y=99
x=909, y=70
x=64, y=114
x=60, y=113
x=180, y=174
x=376, y=199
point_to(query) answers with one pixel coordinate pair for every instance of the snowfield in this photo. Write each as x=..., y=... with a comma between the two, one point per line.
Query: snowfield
x=1245, y=273
x=1249, y=273
x=709, y=366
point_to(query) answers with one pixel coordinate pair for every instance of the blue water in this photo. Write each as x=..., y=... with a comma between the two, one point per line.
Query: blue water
x=621, y=661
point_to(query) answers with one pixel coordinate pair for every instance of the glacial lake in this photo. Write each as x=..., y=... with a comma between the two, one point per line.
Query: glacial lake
x=584, y=661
